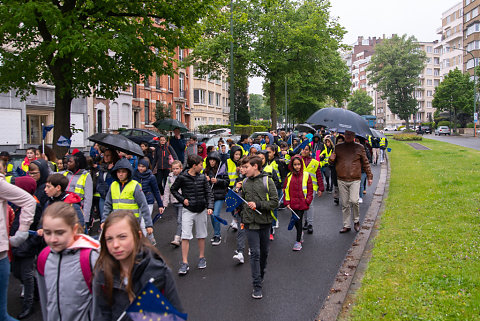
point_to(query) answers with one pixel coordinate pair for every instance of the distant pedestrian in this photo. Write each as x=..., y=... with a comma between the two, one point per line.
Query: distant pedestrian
x=164, y=156
x=191, y=149
x=349, y=158
x=178, y=144
x=168, y=198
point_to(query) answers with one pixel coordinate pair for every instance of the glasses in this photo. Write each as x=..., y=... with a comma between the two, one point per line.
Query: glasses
x=33, y=173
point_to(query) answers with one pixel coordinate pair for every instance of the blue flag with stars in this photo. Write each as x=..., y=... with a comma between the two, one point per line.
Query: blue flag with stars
x=46, y=129
x=152, y=305
x=232, y=200
x=299, y=148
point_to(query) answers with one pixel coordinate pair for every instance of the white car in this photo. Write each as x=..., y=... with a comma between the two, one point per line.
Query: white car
x=442, y=130
x=390, y=129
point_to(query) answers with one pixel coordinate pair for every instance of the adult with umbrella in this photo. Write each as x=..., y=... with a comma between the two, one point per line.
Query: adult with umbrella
x=169, y=124
x=341, y=119
x=178, y=143
x=164, y=156
x=117, y=142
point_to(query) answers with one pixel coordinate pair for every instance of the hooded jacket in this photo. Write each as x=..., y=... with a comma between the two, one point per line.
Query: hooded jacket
x=73, y=178
x=297, y=198
x=64, y=294
x=271, y=141
x=167, y=196
x=149, y=266
x=203, y=154
x=40, y=190
x=161, y=156
x=317, y=144
x=253, y=190
x=220, y=187
x=137, y=195
x=149, y=186
x=194, y=188
x=104, y=180
x=70, y=198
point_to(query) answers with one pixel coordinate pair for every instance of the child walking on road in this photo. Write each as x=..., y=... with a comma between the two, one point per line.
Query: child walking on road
x=298, y=191
x=197, y=199
x=168, y=198
x=261, y=195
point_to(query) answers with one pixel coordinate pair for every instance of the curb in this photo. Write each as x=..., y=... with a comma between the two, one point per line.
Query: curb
x=333, y=304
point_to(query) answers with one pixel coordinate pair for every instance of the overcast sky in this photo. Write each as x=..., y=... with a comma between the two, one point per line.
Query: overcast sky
x=373, y=18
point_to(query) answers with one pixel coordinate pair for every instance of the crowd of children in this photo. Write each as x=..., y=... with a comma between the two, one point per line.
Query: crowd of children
x=71, y=193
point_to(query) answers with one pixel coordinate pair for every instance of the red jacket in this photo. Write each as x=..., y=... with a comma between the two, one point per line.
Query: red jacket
x=297, y=199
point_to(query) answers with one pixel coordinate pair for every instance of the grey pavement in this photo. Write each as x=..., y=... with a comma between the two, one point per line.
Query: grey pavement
x=296, y=283
x=464, y=141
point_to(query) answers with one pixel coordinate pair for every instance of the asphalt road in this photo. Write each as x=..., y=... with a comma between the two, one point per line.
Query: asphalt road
x=464, y=141
x=296, y=283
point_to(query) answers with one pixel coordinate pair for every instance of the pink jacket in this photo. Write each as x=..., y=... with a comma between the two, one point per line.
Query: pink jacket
x=16, y=195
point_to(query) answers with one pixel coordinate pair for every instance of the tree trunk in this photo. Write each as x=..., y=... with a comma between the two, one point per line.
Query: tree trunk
x=61, y=120
x=273, y=104
x=407, y=122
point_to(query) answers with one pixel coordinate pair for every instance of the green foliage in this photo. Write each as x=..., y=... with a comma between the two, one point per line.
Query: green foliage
x=406, y=136
x=258, y=108
x=361, y=103
x=162, y=112
x=104, y=45
x=426, y=258
x=279, y=38
x=443, y=123
x=264, y=123
x=432, y=124
x=470, y=125
x=395, y=67
x=454, y=94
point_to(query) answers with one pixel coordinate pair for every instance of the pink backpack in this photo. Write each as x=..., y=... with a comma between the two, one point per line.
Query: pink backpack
x=84, y=264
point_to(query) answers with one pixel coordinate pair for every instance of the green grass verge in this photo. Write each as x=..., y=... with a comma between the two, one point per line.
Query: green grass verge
x=425, y=263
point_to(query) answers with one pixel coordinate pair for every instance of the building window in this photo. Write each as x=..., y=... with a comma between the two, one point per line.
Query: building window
x=158, y=82
x=429, y=49
x=218, y=97
x=429, y=93
x=180, y=55
x=170, y=84
x=436, y=72
x=147, y=83
x=147, y=111
x=134, y=90
x=181, y=84
x=429, y=71
x=179, y=113
x=473, y=28
x=210, y=98
x=429, y=82
x=436, y=82
x=199, y=96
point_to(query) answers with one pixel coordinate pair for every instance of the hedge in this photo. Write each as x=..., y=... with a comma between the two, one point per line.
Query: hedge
x=406, y=137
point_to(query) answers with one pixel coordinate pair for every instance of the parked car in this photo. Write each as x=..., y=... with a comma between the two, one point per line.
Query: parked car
x=442, y=130
x=424, y=130
x=213, y=141
x=141, y=135
x=390, y=129
x=220, y=131
x=256, y=134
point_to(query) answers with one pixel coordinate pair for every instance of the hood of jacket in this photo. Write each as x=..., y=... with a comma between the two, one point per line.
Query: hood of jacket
x=317, y=136
x=83, y=241
x=271, y=141
x=290, y=165
x=214, y=155
x=204, y=150
x=233, y=150
x=44, y=172
x=123, y=163
x=143, y=175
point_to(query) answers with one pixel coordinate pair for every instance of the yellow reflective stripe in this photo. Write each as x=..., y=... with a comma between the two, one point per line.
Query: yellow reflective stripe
x=80, y=185
x=311, y=169
x=231, y=171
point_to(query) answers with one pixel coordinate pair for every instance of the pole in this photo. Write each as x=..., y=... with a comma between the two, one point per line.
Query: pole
x=286, y=103
x=474, y=95
x=43, y=139
x=232, y=84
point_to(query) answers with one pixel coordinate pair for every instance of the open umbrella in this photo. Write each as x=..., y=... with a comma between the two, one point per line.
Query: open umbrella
x=341, y=119
x=306, y=128
x=170, y=124
x=118, y=142
x=377, y=133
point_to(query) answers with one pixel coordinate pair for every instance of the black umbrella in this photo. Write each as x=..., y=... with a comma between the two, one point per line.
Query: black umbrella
x=377, y=133
x=341, y=119
x=306, y=128
x=170, y=124
x=118, y=142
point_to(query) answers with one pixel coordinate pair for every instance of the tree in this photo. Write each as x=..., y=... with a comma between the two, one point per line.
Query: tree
x=278, y=38
x=361, y=103
x=78, y=45
x=454, y=94
x=258, y=109
x=395, y=67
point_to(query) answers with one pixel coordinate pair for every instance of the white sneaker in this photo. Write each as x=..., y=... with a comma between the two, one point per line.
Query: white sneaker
x=238, y=257
x=360, y=200
x=234, y=225
x=249, y=252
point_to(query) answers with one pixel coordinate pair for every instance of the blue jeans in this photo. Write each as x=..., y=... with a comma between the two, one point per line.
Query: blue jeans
x=217, y=208
x=362, y=184
x=4, y=276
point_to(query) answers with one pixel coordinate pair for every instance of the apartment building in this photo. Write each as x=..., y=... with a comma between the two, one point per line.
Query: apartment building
x=471, y=40
x=165, y=92
x=210, y=100
x=451, y=40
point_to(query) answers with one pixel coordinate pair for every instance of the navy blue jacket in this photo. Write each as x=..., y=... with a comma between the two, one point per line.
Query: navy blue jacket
x=178, y=146
x=149, y=186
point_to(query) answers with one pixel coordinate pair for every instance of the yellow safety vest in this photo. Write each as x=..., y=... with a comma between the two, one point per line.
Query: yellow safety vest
x=24, y=167
x=304, y=185
x=325, y=152
x=232, y=172
x=80, y=184
x=382, y=142
x=9, y=167
x=370, y=140
x=9, y=179
x=311, y=169
x=275, y=167
x=242, y=149
x=125, y=199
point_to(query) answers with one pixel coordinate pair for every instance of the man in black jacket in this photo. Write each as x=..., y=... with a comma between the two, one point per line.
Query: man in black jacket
x=197, y=200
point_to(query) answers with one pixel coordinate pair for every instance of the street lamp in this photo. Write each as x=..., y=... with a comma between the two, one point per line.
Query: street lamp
x=474, y=89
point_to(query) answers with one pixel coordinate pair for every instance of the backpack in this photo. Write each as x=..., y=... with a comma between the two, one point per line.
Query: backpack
x=84, y=264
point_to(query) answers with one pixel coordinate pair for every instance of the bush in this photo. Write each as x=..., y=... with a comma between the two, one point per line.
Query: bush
x=443, y=123
x=264, y=123
x=470, y=125
x=406, y=137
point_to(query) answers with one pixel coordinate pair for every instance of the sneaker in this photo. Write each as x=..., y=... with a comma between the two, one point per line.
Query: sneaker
x=329, y=191
x=297, y=246
x=176, y=241
x=336, y=201
x=238, y=257
x=216, y=240
x=271, y=237
x=360, y=200
x=151, y=238
x=310, y=229
x=202, y=263
x=183, y=269
x=234, y=225
x=305, y=226
x=249, y=253
x=257, y=293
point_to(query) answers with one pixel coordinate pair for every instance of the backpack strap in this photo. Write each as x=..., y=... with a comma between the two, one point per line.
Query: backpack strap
x=42, y=260
x=86, y=267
